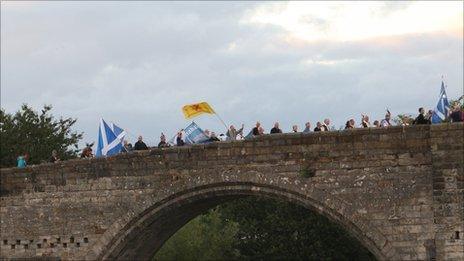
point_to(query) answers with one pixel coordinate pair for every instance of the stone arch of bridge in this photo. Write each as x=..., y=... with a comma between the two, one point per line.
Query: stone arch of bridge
x=138, y=236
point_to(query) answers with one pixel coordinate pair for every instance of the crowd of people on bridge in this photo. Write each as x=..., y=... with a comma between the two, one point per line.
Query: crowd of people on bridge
x=455, y=115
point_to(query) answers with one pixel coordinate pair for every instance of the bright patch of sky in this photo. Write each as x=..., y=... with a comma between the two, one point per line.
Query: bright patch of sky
x=349, y=21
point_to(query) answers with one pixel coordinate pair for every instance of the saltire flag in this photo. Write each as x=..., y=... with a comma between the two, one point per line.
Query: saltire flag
x=441, y=111
x=108, y=142
x=196, y=109
x=194, y=134
x=249, y=135
x=120, y=133
x=173, y=140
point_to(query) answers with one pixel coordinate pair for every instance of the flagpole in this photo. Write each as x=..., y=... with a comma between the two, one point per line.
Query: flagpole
x=219, y=117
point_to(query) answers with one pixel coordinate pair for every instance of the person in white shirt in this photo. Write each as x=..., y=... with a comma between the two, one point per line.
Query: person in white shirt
x=365, y=121
x=326, y=124
x=386, y=122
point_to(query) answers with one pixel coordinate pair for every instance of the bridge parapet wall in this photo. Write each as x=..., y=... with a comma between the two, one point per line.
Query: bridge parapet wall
x=321, y=151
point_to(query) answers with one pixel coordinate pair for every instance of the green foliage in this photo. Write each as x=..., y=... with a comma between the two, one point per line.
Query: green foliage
x=403, y=119
x=459, y=102
x=262, y=229
x=272, y=229
x=207, y=237
x=307, y=173
x=27, y=131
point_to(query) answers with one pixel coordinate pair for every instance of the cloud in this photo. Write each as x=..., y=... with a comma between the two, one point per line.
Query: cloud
x=348, y=21
x=137, y=63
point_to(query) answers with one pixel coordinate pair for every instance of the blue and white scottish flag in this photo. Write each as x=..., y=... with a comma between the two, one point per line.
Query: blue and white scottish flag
x=193, y=134
x=108, y=142
x=249, y=135
x=118, y=132
x=441, y=111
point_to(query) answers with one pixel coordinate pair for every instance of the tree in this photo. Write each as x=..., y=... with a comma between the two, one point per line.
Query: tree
x=403, y=119
x=276, y=230
x=256, y=228
x=459, y=102
x=207, y=237
x=27, y=131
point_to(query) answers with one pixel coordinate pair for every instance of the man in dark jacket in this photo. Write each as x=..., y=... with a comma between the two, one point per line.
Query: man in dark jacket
x=179, y=140
x=140, y=145
x=213, y=137
x=420, y=119
x=319, y=127
x=163, y=143
x=276, y=128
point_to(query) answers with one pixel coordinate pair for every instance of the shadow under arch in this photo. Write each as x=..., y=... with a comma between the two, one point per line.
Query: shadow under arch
x=140, y=236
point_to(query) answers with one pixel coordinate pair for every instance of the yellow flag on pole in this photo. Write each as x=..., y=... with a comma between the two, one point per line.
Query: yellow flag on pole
x=196, y=109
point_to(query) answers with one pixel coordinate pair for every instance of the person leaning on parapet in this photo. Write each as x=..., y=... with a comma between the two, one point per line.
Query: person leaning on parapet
x=207, y=133
x=457, y=115
x=179, y=140
x=276, y=129
x=295, y=128
x=213, y=137
x=307, y=127
x=376, y=124
x=421, y=118
x=87, y=151
x=54, y=157
x=326, y=124
x=255, y=130
x=429, y=116
x=22, y=160
x=365, y=121
x=319, y=127
x=163, y=143
x=232, y=133
x=140, y=145
x=350, y=124
x=126, y=147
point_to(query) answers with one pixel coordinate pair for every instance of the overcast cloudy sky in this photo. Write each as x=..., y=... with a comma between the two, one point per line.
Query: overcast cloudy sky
x=138, y=63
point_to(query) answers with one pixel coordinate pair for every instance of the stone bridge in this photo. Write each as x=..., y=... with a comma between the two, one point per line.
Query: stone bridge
x=398, y=190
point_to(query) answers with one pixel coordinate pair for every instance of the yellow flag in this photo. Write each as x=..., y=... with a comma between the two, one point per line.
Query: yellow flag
x=196, y=109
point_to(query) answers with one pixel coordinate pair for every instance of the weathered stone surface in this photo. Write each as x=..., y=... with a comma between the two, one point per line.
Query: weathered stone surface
x=399, y=191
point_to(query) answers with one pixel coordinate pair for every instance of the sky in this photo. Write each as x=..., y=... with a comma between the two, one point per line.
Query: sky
x=137, y=63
